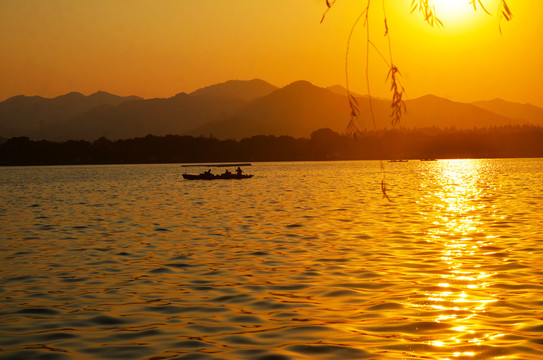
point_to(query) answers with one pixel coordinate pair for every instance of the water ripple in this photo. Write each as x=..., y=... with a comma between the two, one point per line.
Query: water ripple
x=131, y=262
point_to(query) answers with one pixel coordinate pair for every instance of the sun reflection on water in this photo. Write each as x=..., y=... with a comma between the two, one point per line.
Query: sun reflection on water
x=461, y=297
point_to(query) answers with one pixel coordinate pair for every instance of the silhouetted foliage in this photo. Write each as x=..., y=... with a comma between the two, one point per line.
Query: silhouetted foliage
x=324, y=144
x=430, y=16
x=427, y=9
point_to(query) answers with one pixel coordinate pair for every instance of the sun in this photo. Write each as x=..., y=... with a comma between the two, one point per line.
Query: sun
x=463, y=12
x=455, y=12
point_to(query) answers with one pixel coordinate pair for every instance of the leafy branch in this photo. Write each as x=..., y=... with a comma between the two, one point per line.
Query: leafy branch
x=427, y=9
x=398, y=105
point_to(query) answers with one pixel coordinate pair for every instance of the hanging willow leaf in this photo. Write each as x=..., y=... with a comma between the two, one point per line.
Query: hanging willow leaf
x=428, y=11
x=475, y=2
x=355, y=110
x=398, y=105
x=352, y=128
x=504, y=12
x=329, y=4
x=384, y=189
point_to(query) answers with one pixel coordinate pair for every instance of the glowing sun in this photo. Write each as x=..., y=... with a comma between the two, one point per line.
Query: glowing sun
x=454, y=11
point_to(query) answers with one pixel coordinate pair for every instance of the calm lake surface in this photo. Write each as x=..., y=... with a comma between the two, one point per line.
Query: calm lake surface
x=304, y=261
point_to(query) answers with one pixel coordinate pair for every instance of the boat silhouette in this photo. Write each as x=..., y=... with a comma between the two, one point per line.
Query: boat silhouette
x=227, y=175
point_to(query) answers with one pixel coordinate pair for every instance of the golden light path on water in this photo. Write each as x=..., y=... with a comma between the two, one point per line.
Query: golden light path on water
x=462, y=296
x=306, y=262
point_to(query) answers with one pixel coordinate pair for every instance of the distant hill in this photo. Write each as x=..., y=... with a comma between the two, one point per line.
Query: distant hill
x=521, y=112
x=296, y=110
x=237, y=109
x=21, y=115
x=300, y=108
x=238, y=89
x=433, y=111
x=75, y=116
x=174, y=115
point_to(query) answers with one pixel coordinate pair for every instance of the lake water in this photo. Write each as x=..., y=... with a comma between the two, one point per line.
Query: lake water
x=304, y=261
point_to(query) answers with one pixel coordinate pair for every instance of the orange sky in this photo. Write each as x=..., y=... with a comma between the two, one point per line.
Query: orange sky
x=160, y=48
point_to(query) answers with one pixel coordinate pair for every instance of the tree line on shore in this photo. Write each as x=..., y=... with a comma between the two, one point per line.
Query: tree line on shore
x=324, y=144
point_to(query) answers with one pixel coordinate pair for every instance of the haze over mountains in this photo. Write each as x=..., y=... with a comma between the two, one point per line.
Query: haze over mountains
x=237, y=109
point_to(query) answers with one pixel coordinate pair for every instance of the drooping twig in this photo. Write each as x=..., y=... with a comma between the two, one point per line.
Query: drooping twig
x=329, y=4
x=428, y=10
x=398, y=105
x=352, y=128
x=370, y=98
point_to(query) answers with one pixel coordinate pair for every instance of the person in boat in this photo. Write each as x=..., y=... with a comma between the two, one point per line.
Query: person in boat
x=227, y=173
x=239, y=171
x=208, y=172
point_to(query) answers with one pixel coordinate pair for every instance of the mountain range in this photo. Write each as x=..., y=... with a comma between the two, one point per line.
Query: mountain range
x=237, y=109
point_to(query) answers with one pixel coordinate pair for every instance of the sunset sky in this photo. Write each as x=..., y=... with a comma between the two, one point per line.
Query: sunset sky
x=160, y=48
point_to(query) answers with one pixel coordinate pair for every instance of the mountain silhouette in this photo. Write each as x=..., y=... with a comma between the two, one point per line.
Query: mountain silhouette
x=237, y=109
x=21, y=115
x=297, y=110
x=238, y=89
x=433, y=111
x=521, y=112
x=300, y=108
x=159, y=116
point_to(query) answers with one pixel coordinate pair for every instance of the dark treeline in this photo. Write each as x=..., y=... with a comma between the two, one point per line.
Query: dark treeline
x=324, y=144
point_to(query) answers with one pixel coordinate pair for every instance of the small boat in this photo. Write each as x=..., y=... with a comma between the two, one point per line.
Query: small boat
x=227, y=175
x=206, y=176
x=398, y=160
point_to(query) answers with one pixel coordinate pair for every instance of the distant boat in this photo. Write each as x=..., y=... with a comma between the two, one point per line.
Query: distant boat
x=207, y=176
x=227, y=175
x=398, y=160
